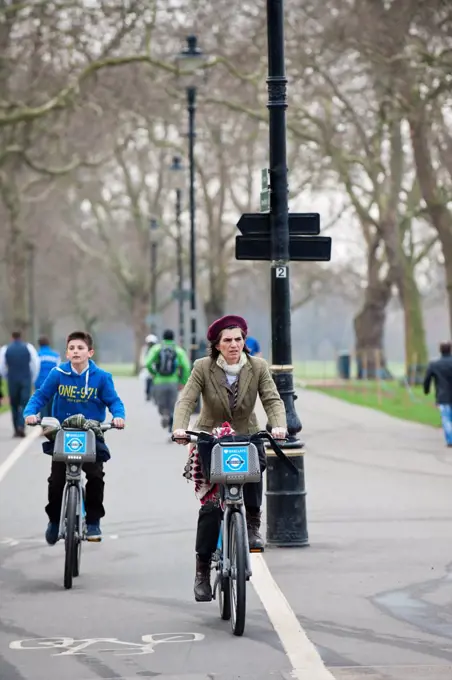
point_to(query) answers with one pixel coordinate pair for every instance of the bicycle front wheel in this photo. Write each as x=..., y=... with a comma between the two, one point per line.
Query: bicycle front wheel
x=79, y=533
x=70, y=539
x=237, y=580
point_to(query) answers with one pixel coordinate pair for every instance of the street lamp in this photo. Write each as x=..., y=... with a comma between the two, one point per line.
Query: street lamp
x=153, y=236
x=177, y=180
x=286, y=495
x=189, y=64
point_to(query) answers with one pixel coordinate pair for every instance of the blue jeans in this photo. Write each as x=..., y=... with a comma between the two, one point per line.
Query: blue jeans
x=446, y=419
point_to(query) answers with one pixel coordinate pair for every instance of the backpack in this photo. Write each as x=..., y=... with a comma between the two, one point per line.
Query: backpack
x=166, y=363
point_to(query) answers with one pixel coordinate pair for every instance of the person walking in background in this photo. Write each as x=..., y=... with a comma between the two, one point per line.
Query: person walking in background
x=49, y=358
x=170, y=367
x=440, y=371
x=19, y=364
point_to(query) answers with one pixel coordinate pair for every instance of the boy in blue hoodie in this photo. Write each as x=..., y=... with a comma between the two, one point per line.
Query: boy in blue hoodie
x=78, y=386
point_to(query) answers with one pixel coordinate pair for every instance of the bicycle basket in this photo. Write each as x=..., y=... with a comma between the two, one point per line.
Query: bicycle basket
x=235, y=462
x=75, y=446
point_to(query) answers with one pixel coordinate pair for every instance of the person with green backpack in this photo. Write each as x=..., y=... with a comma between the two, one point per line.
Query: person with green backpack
x=170, y=367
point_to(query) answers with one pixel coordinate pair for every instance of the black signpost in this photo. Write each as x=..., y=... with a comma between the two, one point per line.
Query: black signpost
x=279, y=237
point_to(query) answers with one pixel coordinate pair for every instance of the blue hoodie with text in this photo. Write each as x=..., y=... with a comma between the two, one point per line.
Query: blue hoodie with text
x=88, y=393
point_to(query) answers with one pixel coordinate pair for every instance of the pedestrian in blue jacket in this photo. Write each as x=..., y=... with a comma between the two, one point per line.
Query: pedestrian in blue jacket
x=19, y=364
x=78, y=386
x=49, y=358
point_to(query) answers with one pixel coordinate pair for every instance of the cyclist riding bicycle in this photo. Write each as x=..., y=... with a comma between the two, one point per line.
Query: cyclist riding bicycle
x=229, y=381
x=81, y=389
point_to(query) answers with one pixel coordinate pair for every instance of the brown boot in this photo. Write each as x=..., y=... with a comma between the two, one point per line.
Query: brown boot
x=253, y=524
x=203, y=589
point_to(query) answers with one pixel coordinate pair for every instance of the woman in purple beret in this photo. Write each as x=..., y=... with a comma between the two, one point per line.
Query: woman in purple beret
x=229, y=381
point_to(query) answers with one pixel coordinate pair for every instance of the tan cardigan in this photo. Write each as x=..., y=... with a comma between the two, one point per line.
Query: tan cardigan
x=207, y=379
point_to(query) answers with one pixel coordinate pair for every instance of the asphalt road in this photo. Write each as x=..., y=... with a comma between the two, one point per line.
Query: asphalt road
x=372, y=592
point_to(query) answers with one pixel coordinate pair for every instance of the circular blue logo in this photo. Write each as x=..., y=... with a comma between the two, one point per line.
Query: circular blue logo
x=74, y=444
x=235, y=462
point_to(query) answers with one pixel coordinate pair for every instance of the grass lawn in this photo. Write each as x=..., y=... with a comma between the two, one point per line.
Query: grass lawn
x=5, y=406
x=328, y=369
x=390, y=397
x=118, y=370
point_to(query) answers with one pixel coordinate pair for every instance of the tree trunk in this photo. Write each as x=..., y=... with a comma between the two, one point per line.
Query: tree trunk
x=214, y=306
x=16, y=254
x=46, y=327
x=139, y=305
x=415, y=341
x=440, y=215
x=369, y=323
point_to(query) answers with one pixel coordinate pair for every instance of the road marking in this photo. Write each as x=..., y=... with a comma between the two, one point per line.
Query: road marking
x=12, y=542
x=20, y=449
x=304, y=657
x=9, y=541
x=149, y=642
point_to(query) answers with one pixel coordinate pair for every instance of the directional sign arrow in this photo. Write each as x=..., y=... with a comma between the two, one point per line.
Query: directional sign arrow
x=304, y=224
x=301, y=248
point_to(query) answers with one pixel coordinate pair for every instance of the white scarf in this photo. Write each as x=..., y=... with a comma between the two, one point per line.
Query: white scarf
x=232, y=369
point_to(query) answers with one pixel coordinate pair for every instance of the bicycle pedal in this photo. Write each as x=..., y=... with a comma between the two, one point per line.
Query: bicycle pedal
x=257, y=550
x=94, y=539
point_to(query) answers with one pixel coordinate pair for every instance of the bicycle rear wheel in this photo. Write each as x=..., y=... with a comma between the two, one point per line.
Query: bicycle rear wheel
x=70, y=538
x=237, y=580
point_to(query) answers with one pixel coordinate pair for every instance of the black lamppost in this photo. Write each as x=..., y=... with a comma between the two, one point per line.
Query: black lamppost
x=189, y=62
x=286, y=509
x=153, y=229
x=177, y=183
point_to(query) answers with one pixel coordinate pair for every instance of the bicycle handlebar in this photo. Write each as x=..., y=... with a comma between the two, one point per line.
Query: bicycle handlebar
x=192, y=437
x=104, y=426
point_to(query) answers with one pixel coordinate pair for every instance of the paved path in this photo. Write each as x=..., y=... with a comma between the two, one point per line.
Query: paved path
x=372, y=592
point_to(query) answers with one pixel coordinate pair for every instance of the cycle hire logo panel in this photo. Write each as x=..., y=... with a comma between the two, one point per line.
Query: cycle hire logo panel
x=75, y=443
x=235, y=459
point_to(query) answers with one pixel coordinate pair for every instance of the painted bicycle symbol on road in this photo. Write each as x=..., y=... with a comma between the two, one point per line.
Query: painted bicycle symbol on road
x=70, y=647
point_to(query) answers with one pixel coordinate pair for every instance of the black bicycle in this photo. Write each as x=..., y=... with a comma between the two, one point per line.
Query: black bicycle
x=233, y=461
x=74, y=447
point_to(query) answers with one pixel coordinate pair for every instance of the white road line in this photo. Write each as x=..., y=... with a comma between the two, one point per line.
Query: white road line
x=305, y=659
x=20, y=449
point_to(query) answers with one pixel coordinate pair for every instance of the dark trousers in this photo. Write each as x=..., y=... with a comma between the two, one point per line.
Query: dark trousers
x=19, y=393
x=210, y=516
x=165, y=397
x=94, y=491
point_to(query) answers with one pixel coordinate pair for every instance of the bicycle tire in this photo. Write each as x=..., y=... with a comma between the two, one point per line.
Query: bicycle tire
x=70, y=539
x=237, y=547
x=224, y=594
x=78, y=550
